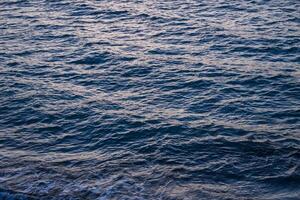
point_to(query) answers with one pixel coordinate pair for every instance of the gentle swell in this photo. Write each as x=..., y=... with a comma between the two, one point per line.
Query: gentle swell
x=149, y=99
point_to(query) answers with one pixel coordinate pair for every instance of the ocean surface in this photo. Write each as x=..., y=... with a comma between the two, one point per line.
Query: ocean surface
x=150, y=99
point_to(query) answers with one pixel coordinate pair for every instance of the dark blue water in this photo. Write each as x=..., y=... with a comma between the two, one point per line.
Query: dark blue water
x=119, y=99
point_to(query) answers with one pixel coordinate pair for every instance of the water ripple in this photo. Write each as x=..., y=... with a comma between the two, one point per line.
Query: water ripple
x=149, y=99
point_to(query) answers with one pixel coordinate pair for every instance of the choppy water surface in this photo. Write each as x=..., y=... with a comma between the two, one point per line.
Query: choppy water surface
x=150, y=99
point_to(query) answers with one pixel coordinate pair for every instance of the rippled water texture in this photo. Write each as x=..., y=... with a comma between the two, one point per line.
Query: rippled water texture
x=150, y=99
